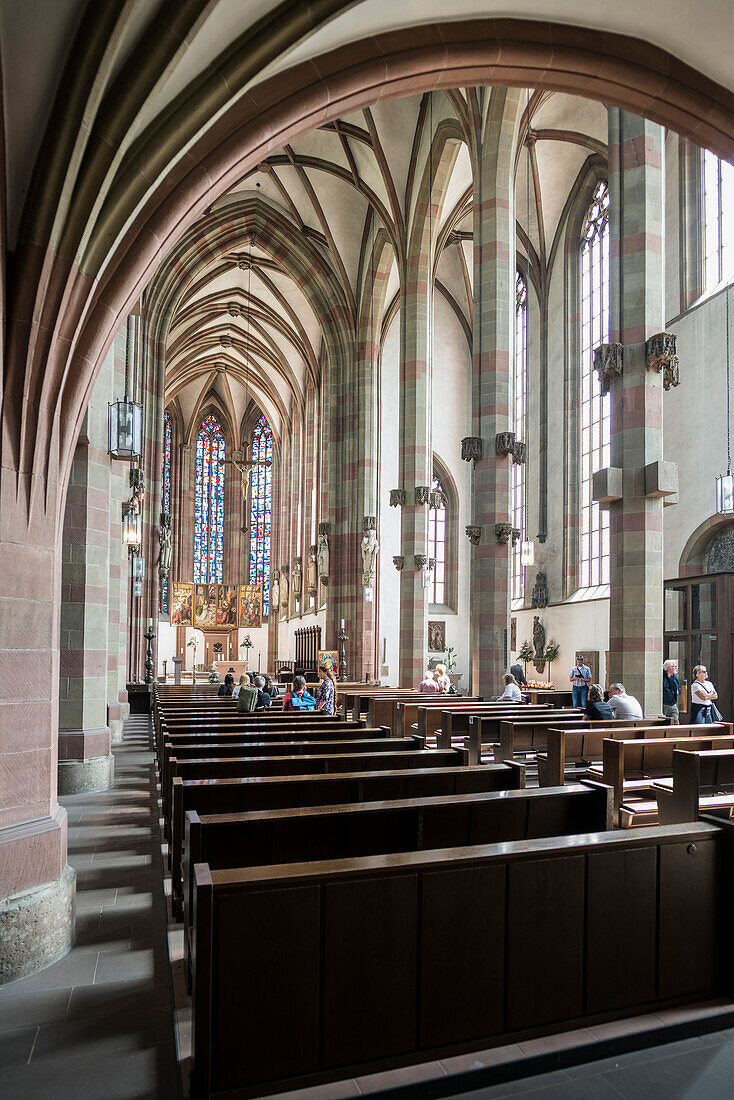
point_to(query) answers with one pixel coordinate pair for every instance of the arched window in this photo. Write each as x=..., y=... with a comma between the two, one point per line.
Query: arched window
x=520, y=388
x=437, y=544
x=165, y=501
x=595, y=422
x=261, y=502
x=718, y=211
x=209, y=502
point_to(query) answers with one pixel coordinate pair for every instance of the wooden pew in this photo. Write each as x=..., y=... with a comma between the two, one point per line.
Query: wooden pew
x=430, y=720
x=253, y=723
x=702, y=781
x=266, y=837
x=454, y=974
x=299, y=765
x=631, y=766
x=382, y=710
x=582, y=746
x=458, y=722
x=532, y=737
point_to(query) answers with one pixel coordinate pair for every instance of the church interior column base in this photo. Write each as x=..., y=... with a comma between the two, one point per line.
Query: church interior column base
x=37, y=927
x=86, y=776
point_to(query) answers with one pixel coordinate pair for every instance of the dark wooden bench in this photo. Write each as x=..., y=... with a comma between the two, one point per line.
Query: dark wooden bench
x=631, y=767
x=572, y=748
x=481, y=724
x=266, y=837
x=387, y=710
x=702, y=781
x=532, y=736
x=431, y=723
x=621, y=923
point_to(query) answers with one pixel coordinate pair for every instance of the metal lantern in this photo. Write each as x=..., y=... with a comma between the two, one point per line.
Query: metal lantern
x=137, y=588
x=125, y=425
x=138, y=567
x=527, y=553
x=132, y=528
x=725, y=494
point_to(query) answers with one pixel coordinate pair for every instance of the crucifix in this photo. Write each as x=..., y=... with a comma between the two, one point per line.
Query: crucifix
x=245, y=467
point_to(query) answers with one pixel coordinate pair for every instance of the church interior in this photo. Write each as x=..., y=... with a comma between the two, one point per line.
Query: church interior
x=374, y=361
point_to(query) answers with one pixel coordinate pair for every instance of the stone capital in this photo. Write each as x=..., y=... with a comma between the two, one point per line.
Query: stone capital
x=421, y=560
x=519, y=452
x=422, y=494
x=503, y=532
x=504, y=443
x=399, y=562
x=397, y=498
x=515, y=535
x=436, y=499
x=608, y=362
x=473, y=533
x=471, y=448
x=369, y=523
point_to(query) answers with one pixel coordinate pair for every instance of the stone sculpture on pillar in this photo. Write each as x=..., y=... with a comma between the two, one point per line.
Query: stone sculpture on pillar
x=284, y=588
x=312, y=578
x=275, y=592
x=370, y=548
x=164, y=564
x=323, y=555
x=296, y=578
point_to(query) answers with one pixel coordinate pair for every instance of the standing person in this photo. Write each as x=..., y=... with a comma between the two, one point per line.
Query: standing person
x=519, y=675
x=247, y=698
x=428, y=685
x=703, y=694
x=298, y=698
x=326, y=698
x=227, y=687
x=622, y=704
x=263, y=699
x=596, y=708
x=512, y=693
x=580, y=679
x=671, y=689
x=442, y=680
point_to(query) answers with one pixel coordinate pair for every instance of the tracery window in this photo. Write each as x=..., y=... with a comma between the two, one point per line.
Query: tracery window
x=437, y=543
x=261, y=501
x=209, y=502
x=165, y=501
x=718, y=210
x=595, y=414
x=520, y=389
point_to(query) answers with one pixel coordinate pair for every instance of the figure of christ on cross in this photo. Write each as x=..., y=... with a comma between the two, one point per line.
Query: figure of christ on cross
x=245, y=467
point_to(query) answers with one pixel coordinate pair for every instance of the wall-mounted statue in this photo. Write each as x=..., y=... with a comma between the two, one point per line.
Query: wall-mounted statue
x=323, y=558
x=275, y=593
x=370, y=548
x=312, y=578
x=284, y=589
x=538, y=638
x=296, y=578
x=164, y=564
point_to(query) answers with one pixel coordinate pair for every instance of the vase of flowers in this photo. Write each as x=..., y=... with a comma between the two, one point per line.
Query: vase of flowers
x=454, y=677
x=525, y=654
x=551, y=654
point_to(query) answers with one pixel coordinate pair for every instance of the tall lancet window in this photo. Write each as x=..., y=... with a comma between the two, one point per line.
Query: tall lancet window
x=520, y=389
x=718, y=209
x=437, y=543
x=165, y=501
x=209, y=502
x=261, y=504
x=595, y=416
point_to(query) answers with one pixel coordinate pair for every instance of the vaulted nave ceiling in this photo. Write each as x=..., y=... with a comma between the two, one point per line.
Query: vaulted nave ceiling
x=246, y=331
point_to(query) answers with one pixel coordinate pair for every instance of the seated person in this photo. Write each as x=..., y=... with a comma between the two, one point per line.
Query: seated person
x=596, y=708
x=238, y=687
x=247, y=698
x=428, y=685
x=519, y=675
x=622, y=704
x=298, y=698
x=512, y=693
x=270, y=687
x=227, y=686
x=442, y=679
x=263, y=699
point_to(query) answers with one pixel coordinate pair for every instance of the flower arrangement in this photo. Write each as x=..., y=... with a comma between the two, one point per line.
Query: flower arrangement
x=214, y=676
x=450, y=658
x=551, y=653
x=525, y=654
x=247, y=643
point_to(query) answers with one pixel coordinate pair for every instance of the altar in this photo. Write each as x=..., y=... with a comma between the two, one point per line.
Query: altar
x=237, y=668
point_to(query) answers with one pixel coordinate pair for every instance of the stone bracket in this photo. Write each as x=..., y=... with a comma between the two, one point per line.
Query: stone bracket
x=519, y=452
x=421, y=560
x=606, y=485
x=324, y=528
x=661, y=480
x=397, y=498
x=471, y=448
x=473, y=533
x=503, y=532
x=399, y=562
x=608, y=363
x=369, y=523
x=660, y=355
x=422, y=494
x=504, y=443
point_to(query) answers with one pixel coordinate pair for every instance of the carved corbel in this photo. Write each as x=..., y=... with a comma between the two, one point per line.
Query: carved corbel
x=397, y=498
x=422, y=494
x=660, y=355
x=519, y=452
x=504, y=443
x=471, y=448
x=436, y=499
x=421, y=561
x=503, y=532
x=473, y=533
x=515, y=535
x=608, y=364
x=325, y=529
x=369, y=523
x=399, y=562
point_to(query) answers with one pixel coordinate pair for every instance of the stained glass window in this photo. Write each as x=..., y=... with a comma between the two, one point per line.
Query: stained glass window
x=261, y=448
x=209, y=502
x=718, y=209
x=437, y=543
x=520, y=380
x=595, y=415
x=165, y=501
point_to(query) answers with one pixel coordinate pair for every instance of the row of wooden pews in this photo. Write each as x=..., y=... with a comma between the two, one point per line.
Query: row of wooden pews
x=371, y=903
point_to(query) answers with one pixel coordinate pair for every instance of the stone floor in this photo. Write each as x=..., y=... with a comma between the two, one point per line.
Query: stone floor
x=99, y=1024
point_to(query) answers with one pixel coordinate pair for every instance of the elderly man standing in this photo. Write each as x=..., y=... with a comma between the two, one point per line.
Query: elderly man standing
x=671, y=690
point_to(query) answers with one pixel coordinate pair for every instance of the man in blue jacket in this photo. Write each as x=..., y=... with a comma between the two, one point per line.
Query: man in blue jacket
x=671, y=689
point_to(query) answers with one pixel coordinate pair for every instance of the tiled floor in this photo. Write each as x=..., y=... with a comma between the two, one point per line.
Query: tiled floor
x=99, y=1024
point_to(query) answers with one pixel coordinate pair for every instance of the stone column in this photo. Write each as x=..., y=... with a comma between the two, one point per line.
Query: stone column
x=634, y=487
x=494, y=307
x=85, y=761
x=118, y=707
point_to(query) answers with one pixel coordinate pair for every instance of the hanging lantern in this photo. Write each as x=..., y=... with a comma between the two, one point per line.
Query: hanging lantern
x=132, y=528
x=125, y=429
x=527, y=553
x=725, y=494
x=139, y=567
x=137, y=588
